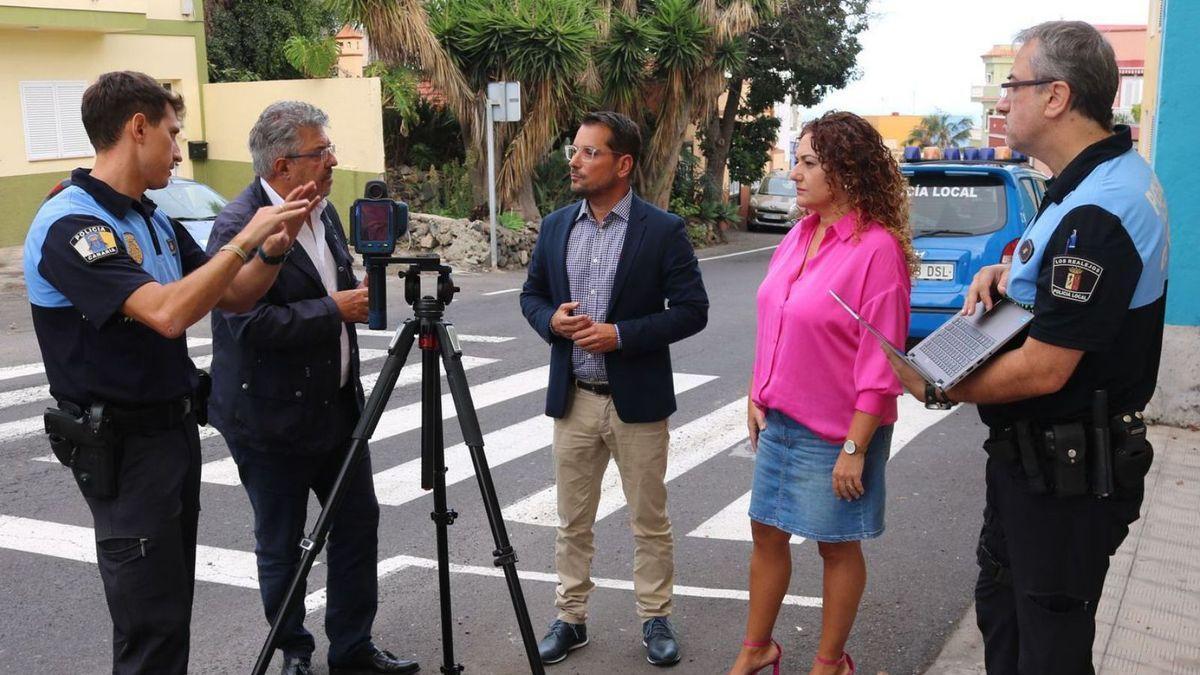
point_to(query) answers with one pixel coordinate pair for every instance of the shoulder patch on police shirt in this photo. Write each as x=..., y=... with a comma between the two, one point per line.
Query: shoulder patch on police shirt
x=95, y=242
x=1074, y=278
x=132, y=247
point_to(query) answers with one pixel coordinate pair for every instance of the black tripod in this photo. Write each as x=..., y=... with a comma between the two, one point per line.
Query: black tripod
x=434, y=336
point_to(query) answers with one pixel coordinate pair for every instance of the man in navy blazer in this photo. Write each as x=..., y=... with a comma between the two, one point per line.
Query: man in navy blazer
x=613, y=281
x=286, y=396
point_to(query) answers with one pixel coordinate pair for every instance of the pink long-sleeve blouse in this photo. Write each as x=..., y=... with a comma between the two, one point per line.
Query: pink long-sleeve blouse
x=813, y=361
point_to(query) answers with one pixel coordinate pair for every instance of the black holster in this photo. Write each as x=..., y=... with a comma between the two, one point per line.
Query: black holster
x=85, y=443
x=200, y=400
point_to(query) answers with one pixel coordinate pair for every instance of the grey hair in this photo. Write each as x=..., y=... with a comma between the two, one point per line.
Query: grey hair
x=277, y=132
x=1076, y=53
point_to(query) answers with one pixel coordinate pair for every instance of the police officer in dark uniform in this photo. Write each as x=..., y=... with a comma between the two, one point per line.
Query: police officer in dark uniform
x=1066, y=443
x=113, y=284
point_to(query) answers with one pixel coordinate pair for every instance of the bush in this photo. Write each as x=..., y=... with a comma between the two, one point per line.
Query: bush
x=699, y=203
x=512, y=220
x=552, y=182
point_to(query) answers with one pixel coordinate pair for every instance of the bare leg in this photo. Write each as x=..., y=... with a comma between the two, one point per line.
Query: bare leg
x=844, y=581
x=770, y=574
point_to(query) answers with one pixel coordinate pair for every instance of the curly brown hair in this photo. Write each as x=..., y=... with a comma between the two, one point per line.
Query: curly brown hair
x=859, y=166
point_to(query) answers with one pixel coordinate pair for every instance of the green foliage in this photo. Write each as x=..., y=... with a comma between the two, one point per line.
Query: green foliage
x=512, y=220
x=1137, y=113
x=750, y=149
x=315, y=57
x=398, y=87
x=622, y=59
x=552, y=182
x=683, y=36
x=695, y=199
x=246, y=39
x=941, y=129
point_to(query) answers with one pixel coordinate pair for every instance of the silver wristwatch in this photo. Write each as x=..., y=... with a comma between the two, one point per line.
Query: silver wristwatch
x=849, y=447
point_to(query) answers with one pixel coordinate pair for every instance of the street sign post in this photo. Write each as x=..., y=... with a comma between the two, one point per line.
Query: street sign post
x=503, y=105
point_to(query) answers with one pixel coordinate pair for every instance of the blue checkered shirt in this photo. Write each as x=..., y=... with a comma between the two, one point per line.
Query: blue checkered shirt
x=593, y=251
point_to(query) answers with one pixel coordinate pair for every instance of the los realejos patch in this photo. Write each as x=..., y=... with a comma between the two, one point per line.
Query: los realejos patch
x=1074, y=278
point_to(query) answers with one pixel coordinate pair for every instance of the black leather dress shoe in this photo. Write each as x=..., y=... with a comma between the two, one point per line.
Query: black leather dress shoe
x=662, y=647
x=296, y=665
x=562, y=638
x=372, y=659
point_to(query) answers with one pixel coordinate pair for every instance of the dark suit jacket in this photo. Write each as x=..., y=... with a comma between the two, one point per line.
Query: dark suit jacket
x=657, y=265
x=276, y=368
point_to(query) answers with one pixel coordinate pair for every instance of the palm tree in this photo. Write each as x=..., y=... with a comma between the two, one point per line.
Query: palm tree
x=660, y=61
x=941, y=129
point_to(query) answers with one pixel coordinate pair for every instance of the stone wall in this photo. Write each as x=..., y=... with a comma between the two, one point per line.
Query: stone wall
x=464, y=244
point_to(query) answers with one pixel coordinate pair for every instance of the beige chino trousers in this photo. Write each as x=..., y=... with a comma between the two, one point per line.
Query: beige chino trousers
x=584, y=439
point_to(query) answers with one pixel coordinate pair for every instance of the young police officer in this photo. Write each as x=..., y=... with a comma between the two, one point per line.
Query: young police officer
x=1066, y=444
x=113, y=285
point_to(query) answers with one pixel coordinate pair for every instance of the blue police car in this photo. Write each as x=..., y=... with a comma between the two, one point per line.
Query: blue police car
x=967, y=210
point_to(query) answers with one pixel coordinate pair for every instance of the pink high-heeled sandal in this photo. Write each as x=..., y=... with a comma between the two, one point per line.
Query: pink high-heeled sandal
x=778, y=654
x=836, y=662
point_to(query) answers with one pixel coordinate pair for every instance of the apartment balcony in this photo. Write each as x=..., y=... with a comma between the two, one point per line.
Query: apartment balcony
x=985, y=93
x=112, y=16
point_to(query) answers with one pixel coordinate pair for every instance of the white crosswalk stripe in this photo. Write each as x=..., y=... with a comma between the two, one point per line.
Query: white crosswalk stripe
x=691, y=445
x=402, y=484
x=366, y=332
x=732, y=522
x=26, y=369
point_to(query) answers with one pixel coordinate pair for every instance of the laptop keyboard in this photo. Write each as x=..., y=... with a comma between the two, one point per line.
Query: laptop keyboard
x=957, y=346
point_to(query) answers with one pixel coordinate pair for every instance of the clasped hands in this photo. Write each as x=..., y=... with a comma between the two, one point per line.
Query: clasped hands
x=592, y=337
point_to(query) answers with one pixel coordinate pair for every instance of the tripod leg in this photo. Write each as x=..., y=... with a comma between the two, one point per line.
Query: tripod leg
x=504, y=555
x=433, y=476
x=312, y=545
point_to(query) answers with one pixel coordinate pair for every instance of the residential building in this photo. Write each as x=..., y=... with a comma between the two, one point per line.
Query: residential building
x=50, y=50
x=352, y=52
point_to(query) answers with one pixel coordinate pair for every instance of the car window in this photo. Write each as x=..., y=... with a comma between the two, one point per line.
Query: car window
x=188, y=201
x=1030, y=204
x=780, y=187
x=956, y=204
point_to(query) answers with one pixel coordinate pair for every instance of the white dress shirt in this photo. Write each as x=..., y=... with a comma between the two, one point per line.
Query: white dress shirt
x=312, y=240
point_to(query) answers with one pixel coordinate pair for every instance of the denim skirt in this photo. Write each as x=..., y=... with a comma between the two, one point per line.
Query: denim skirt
x=793, y=484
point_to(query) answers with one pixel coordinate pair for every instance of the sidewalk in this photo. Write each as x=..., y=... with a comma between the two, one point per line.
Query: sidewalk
x=1149, y=617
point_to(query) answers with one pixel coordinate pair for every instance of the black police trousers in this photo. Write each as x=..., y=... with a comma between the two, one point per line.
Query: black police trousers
x=146, y=548
x=1042, y=563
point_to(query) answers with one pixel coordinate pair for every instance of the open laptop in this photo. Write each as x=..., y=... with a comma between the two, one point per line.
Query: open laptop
x=960, y=345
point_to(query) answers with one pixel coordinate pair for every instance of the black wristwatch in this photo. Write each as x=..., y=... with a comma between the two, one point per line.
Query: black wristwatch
x=273, y=259
x=936, y=399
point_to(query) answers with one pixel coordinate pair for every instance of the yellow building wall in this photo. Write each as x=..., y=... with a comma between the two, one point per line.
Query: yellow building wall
x=354, y=106
x=81, y=55
x=1150, y=81
x=894, y=128
x=128, y=6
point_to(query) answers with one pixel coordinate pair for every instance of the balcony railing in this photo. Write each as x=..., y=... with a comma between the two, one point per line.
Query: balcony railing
x=985, y=92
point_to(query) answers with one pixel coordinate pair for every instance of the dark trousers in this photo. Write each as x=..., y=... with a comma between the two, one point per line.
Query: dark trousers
x=1042, y=563
x=278, y=485
x=146, y=549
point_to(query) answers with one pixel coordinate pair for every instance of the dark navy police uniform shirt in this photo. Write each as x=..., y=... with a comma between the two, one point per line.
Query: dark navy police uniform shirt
x=1092, y=266
x=88, y=249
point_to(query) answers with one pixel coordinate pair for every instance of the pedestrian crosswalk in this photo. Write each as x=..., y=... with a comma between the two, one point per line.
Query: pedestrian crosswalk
x=696, y=440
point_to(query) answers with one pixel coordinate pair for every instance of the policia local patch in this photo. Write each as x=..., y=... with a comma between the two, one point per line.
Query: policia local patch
x=1074, y=278
x=94, y=243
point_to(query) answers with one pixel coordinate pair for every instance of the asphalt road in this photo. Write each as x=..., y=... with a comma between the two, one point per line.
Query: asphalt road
x=921, y=569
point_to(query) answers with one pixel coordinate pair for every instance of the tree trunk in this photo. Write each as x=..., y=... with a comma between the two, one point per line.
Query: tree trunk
x=526, y=203
x=658, y=179
x=720, y=137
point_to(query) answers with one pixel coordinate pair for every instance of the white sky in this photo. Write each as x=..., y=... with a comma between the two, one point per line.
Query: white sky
x=922, y=55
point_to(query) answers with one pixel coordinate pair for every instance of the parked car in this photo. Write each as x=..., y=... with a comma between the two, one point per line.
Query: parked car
x=773, y=204
x=192, y=203
x=965, y=214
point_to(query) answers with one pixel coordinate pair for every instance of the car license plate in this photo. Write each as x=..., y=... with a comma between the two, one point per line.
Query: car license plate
x=774, y=217
x=936, y=272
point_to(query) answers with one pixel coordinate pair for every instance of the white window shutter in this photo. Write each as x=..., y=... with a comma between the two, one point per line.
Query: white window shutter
x=73, y=139
x=41, y=123
x=53, y=120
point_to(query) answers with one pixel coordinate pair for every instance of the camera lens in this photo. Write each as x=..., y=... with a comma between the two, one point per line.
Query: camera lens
x=375, y=189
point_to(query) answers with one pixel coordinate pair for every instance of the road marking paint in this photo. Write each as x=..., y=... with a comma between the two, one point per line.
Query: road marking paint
x=23, y=370
x=224, y=471
x=507, y=290
x=461, y=338
x=730, y=255
x=402, y=483
x=216, y=565
x=733, y=524
x=691, y=445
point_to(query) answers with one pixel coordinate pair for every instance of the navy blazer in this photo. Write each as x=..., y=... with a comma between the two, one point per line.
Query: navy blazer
x=657, y=269
x=276, y=368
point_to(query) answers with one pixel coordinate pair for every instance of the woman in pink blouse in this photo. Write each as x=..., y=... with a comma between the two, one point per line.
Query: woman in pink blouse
x=822, y=396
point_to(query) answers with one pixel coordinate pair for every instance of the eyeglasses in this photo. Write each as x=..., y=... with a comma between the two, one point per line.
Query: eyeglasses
x=589, y=153
x=1014, y=84
x=323, y=154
